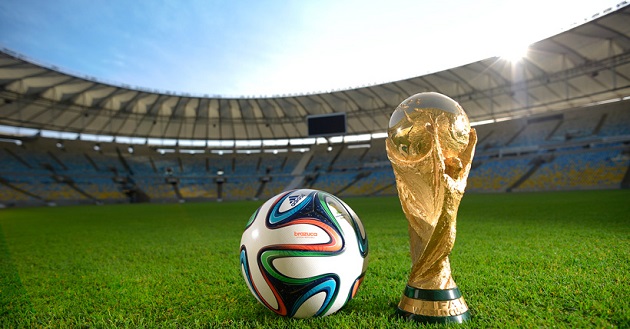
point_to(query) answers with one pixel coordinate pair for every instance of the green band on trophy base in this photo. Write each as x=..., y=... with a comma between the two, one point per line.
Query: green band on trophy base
x=435, y=295
x=434, y=319
x=433, y=306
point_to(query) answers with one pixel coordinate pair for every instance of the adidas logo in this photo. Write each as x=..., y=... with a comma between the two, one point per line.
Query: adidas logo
x=295, y=199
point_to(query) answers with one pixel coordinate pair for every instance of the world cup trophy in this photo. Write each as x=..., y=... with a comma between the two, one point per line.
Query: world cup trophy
x=431, y=146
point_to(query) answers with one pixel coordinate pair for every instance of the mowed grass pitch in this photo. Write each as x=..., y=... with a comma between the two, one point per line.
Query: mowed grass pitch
x=521, y=260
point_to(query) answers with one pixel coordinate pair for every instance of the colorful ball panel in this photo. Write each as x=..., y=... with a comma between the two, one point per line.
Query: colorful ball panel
x=304, y=253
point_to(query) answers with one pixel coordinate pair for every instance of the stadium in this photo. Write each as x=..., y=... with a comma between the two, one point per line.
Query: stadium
x=123, y=206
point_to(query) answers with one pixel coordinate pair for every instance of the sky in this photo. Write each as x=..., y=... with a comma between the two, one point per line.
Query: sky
x=270, y=48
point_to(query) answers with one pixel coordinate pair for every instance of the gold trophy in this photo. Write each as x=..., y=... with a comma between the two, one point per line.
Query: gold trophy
x=431, y=145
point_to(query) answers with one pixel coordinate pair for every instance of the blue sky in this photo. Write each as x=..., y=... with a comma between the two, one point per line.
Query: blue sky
x=254, y=48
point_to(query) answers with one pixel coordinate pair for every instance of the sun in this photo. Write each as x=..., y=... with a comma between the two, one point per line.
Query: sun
x=515, y=53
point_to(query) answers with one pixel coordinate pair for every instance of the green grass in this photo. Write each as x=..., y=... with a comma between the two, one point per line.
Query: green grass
x=520, y=260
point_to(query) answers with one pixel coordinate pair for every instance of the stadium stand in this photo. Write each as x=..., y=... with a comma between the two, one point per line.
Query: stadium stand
x=499, y=134
x=350, y=158
x=577, y=125
x=273, y=163
x=497, y=175
x=536, y=131
x=616, y=123
x=370, y=182
x=592, y=169
x=194, y=165
x=585, y=148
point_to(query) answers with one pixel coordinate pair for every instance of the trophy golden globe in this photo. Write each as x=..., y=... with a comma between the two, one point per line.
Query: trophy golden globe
x=431, y=145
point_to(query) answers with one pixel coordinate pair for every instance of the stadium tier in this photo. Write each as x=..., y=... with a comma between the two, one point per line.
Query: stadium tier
x=587, y=148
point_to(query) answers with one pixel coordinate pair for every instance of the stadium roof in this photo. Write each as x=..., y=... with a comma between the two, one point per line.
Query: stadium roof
x=588, y=64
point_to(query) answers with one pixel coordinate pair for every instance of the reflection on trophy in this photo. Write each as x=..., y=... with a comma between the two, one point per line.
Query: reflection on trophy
x=431, y=145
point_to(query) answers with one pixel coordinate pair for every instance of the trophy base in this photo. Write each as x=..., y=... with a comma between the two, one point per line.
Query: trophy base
x=433, y=306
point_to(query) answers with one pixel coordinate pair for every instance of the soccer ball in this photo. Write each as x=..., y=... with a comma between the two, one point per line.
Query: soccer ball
x=304, y=253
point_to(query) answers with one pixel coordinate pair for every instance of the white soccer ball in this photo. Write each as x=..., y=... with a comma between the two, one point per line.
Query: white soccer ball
x=304, y=253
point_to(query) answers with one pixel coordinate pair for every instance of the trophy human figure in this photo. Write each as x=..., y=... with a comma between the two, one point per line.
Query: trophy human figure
x=431, y=145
